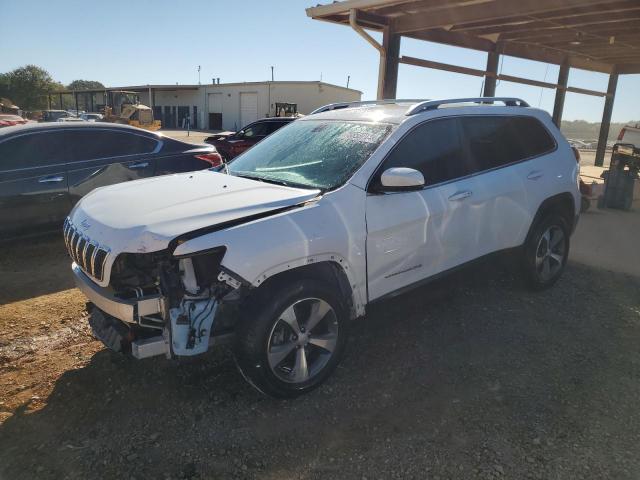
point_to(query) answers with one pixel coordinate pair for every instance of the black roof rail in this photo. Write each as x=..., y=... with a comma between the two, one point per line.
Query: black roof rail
x=339, y=105
x=435, y=104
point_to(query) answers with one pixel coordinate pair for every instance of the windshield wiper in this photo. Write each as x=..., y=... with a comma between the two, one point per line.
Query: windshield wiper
x=250, y=177
x=271, y=180
x=276, y=182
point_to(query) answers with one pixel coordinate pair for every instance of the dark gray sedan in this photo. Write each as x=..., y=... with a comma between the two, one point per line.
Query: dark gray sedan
x=46, y=168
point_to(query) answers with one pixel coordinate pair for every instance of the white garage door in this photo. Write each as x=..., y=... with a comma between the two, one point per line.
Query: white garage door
x=215, y=103
x=248, y=108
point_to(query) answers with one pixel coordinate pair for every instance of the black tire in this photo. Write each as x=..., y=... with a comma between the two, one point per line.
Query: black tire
x=585, y=204
x=535, y=249
x=262, y=323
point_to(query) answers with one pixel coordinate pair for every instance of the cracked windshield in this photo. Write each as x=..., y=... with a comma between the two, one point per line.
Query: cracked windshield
x=317, y=154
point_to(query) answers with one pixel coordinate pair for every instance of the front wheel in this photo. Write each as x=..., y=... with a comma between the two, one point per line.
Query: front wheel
x=546, y=252
x=292, y=338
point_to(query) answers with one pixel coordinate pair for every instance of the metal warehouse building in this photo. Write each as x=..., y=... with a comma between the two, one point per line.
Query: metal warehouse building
x=227, y=106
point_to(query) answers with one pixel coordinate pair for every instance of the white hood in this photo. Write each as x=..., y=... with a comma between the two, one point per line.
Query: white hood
x=145, y=215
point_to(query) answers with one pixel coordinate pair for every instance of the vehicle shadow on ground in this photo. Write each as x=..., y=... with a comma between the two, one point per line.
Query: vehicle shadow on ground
x=35, y=267
x=469, y=377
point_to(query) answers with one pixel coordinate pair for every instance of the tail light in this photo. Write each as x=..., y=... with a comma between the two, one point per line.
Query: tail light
x=576, y=153
x=213, y=158
x=621, y=134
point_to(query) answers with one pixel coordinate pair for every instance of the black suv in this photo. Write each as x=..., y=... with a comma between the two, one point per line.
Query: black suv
x=231, y=145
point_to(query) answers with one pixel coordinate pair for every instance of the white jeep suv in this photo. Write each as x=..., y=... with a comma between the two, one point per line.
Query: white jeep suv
x=337, y=210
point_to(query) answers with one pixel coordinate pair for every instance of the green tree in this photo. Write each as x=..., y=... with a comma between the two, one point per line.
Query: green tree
x=84, y=99
x=78, y=85
x=28, y=87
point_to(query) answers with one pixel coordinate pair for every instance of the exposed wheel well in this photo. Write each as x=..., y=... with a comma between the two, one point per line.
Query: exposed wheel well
x=327, y=271
x=561, y=204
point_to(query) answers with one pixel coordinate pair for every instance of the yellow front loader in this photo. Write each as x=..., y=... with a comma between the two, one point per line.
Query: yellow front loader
x=127, y=110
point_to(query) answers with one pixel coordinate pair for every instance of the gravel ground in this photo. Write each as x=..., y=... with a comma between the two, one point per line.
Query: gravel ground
x=472, y=377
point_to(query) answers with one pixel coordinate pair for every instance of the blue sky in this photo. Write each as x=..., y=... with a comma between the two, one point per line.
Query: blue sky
x=163, y=41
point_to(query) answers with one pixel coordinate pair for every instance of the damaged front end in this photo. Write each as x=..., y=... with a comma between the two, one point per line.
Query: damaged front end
x=158, y=304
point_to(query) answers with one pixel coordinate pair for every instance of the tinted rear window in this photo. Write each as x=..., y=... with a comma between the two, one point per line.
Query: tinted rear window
x=90, y=144
x=273, y=126
x=494, y=141
x=171, y=145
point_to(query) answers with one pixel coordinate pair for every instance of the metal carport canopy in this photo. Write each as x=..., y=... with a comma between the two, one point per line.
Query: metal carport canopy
x=596, y=35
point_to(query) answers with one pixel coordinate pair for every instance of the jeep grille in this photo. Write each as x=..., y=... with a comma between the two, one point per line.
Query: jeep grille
x=86, y=253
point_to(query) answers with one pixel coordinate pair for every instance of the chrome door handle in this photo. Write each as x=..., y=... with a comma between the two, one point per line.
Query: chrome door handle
x=535, y=175
x=135, y=166
x=460, y=195
x=51, y=179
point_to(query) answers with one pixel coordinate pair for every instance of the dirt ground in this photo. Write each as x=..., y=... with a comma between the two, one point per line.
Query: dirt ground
x=472, y=377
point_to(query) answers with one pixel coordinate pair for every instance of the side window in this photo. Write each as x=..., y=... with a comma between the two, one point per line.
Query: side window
x=432, y=148
x=533, y=134
x=495, y=141
x=34, y=150
x=255, y=130
x=92, y=143
x=273, y=126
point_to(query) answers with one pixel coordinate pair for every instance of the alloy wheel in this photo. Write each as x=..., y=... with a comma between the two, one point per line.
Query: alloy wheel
x=302, y=340
x=550, y=253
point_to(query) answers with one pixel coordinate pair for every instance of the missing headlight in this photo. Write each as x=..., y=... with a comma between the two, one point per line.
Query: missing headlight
x=200, y=271
x=207, y=264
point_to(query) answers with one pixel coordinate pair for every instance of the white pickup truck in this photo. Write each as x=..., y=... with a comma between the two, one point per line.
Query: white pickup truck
x=630, y=134
x=335, y=211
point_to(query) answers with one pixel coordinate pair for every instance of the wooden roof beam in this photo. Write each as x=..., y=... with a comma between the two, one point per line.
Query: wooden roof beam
x=419, y=62
x=537, y=52
x=568, y=51
x=370, y=19
x=550, y=56
x=599, y=25
x=568, y=35
x=340, y=8
x=617, y=59
x=484, y=11
x=596, y=41
x=536, y=25
x=456, y=39
x=605, y=30
x=575, y=14
x=605, y=51
x=415, y=6
x=628, y=68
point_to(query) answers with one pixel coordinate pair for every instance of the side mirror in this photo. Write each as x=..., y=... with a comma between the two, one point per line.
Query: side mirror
x=401, y=179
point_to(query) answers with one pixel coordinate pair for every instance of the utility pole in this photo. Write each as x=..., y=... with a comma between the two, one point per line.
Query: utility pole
x=348, y=78
x=198, y=74
x=272, y=73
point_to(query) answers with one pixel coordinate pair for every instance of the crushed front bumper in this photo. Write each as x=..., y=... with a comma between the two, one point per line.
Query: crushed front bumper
x=119, y=324
x=112, y=319
x=128, y=311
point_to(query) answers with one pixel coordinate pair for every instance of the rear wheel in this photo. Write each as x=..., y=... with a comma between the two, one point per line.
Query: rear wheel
x=546, y=252
x=294, y=338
